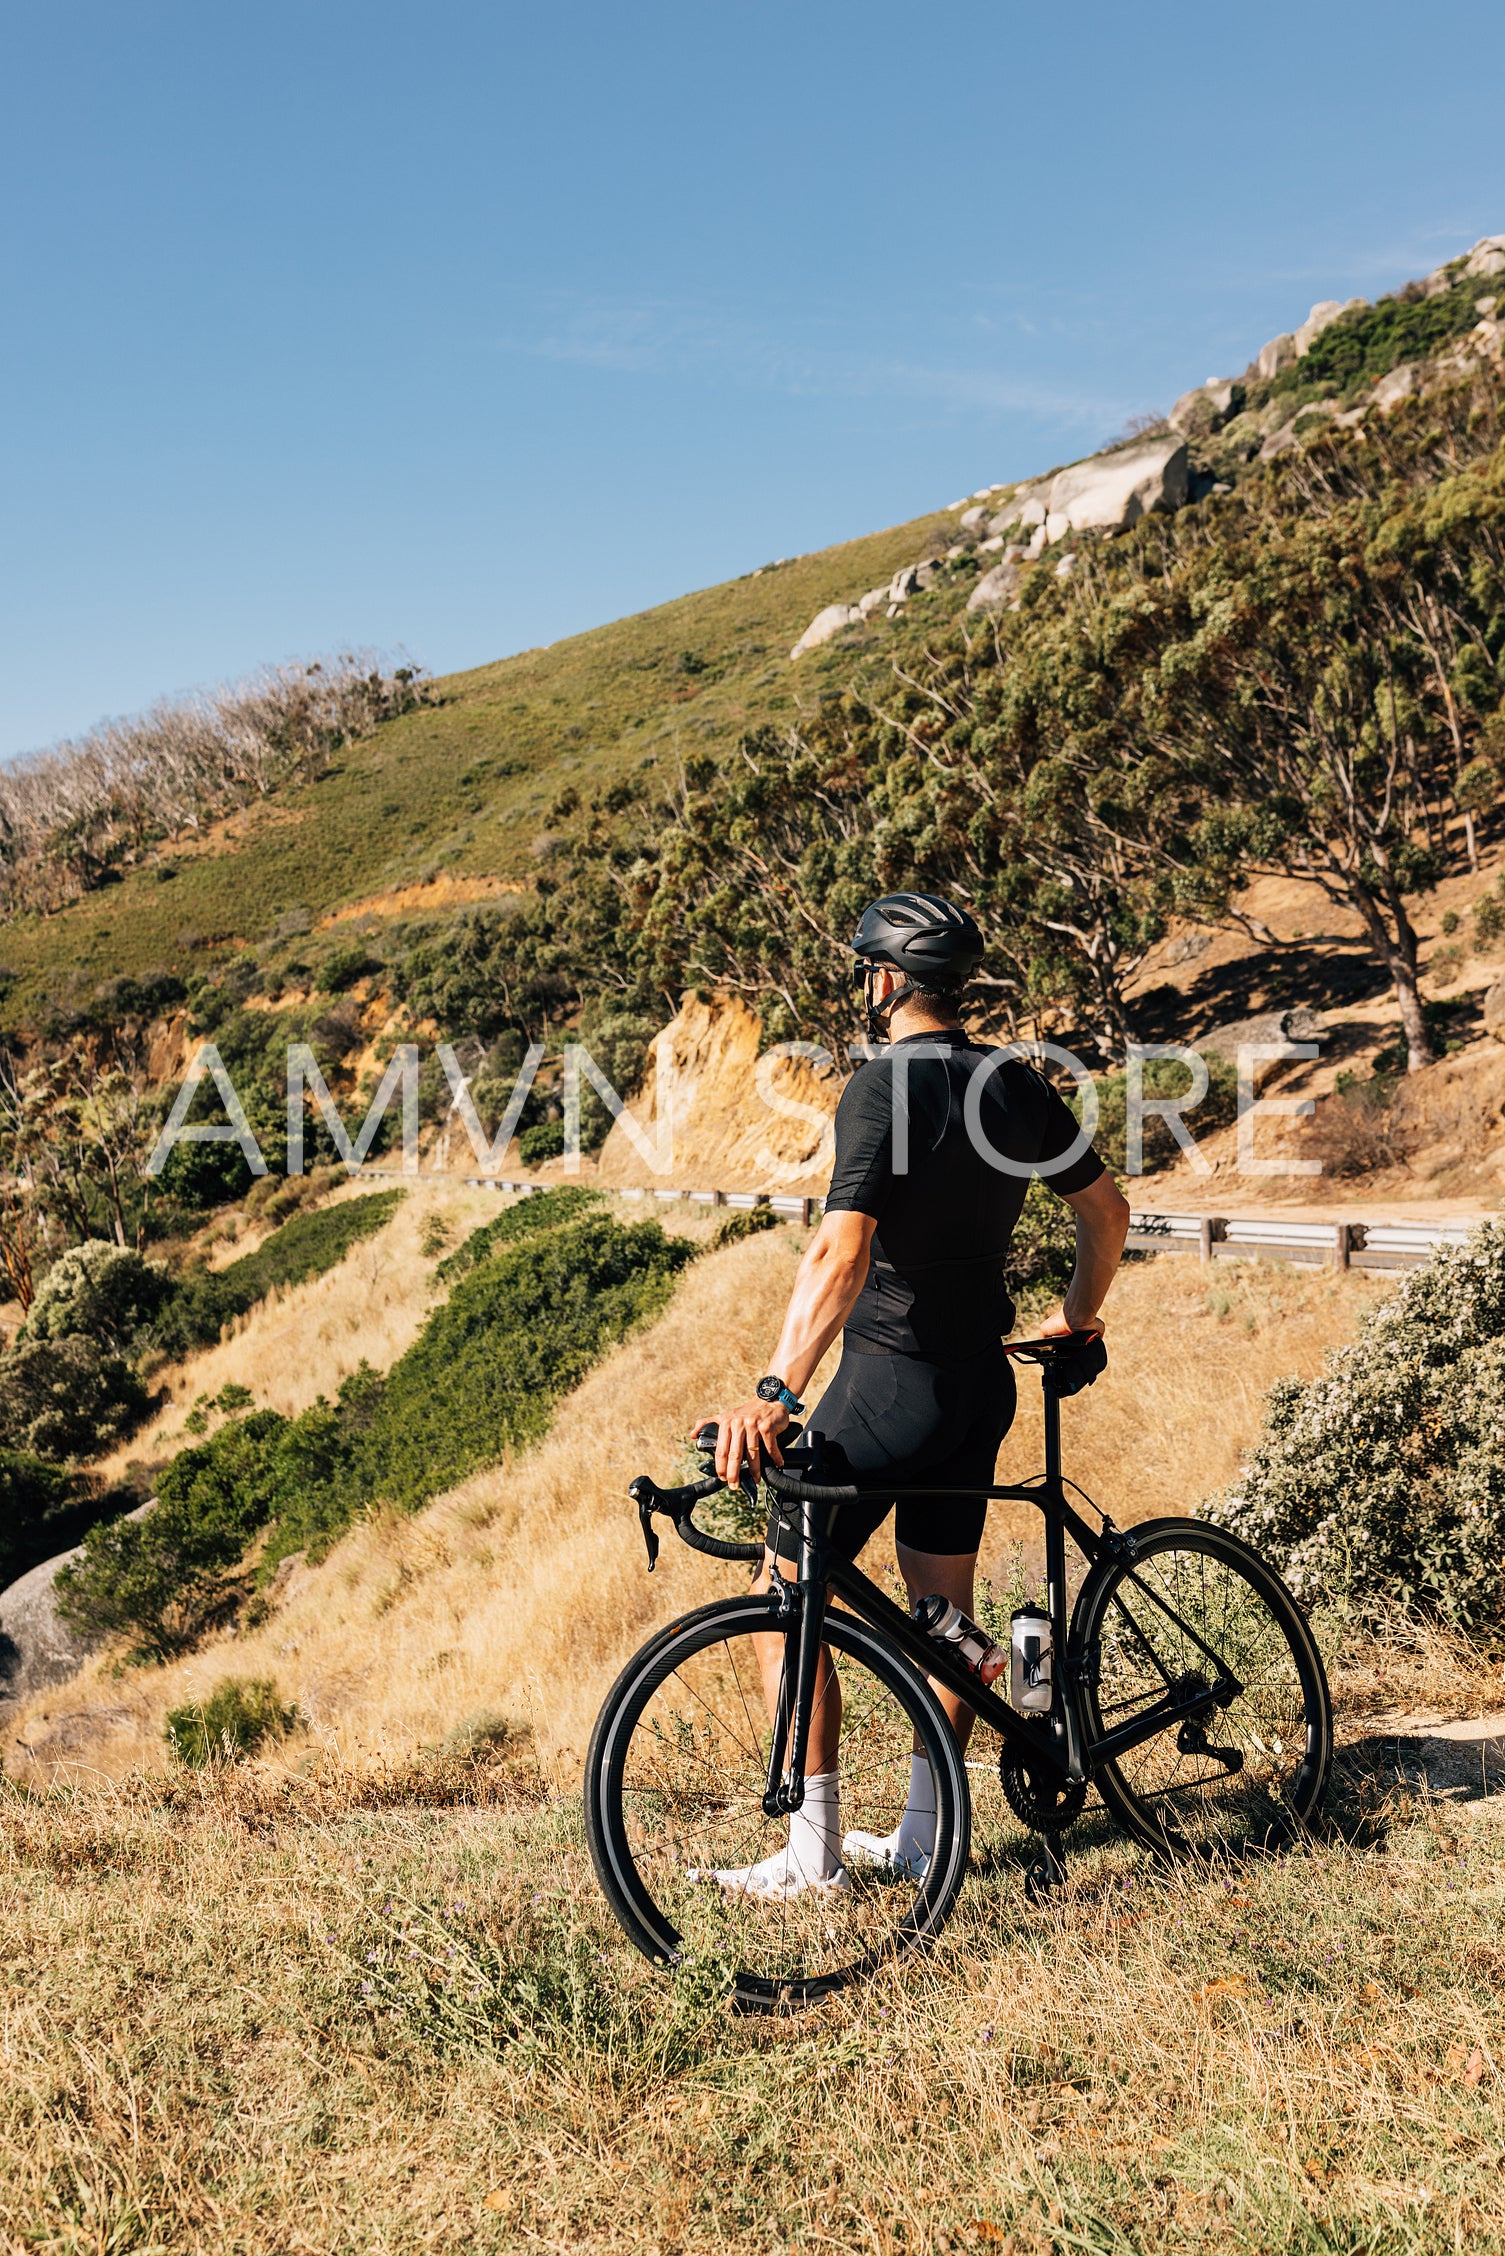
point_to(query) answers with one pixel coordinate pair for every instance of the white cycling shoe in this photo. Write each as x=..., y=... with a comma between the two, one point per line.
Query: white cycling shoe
x=883, y=1852
x=778, y=1879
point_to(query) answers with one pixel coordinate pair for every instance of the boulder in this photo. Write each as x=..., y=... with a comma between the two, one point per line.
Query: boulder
x=1278, y=442
x=1493, y=1011
x=1278, y=355
x=973, y=517
x=1207, y=407
x=997, y=588
x=37, y=1647
x=1057, y=525
x=1322, y=317
x=1067, y=565
x=1271, y=1026
x=1398, y=385
x=1487, y=256
x=825, y=624
x=872, y=601
x=1110, y=492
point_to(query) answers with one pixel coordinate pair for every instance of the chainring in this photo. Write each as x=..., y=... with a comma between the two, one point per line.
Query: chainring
x=1039, y=1801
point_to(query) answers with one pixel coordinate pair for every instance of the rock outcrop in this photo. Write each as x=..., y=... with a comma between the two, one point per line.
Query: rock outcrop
x=824, y=625
x=1275, y=357
x=1110, y=492
x=742, y=1119
x=998, y=588
x=37, y=1648
x=1206, y=408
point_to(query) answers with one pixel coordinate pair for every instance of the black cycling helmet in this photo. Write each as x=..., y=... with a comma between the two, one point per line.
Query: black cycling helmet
x=930, y=942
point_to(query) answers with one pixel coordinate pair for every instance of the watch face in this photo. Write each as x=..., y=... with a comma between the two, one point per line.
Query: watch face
x=769, y=1390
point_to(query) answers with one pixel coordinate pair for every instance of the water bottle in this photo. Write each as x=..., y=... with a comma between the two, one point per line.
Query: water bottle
x=1031, y=1653
x=939, y=1618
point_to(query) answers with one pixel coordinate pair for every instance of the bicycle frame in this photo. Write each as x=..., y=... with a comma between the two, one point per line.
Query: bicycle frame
x=1063, y=1750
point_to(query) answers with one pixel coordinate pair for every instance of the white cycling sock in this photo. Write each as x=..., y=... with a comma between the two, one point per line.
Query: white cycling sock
x=812, y=1857
x=911, y=1845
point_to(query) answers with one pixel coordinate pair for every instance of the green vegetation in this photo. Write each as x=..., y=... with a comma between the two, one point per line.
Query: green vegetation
x=44, y=1509
x=206, y=1300
x=1383, y=1479
x=236, y=1720
x=461, y=787
x=746, y=1222
x=1371, y=340
x=519, y=1330
x=67, y=1398
x=544, y=1210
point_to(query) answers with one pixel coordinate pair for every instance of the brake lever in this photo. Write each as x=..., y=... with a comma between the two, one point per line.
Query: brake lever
x=645, y=1496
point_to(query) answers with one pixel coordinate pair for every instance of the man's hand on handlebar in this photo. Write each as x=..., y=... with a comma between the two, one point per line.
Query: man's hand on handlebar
x=746, y=1435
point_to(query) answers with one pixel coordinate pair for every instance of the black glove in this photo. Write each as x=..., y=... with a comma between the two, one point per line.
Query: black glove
x=1076, y=1363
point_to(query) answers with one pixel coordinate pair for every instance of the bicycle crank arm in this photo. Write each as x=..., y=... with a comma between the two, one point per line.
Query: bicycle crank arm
x=1174, y=1706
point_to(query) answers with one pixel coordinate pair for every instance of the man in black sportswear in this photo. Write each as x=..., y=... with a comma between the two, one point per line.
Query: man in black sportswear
x=936, y=1140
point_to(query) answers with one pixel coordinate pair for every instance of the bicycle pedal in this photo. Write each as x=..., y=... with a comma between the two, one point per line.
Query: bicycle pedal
x=1045, y=1874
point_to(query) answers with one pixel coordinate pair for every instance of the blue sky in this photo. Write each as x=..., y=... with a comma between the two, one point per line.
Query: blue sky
x=457, y=327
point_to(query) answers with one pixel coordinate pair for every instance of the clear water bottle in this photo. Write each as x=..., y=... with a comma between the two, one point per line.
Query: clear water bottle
x=1031, y=1657
x=939, y=1618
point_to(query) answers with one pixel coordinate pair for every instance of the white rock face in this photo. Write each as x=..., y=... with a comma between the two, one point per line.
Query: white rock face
x=973, y=517
x=1278, y=354
x=996, y=588
x=1203, y=409
x=1057, y=525
x=1322, y=317
x=1110, y=492
x=872, y=601
x=1487, y=256
x=1398, y=385
x=825, y=624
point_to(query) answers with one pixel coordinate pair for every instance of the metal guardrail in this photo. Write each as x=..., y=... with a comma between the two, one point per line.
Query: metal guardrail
x=1211, y=1237
x=1341, y=1245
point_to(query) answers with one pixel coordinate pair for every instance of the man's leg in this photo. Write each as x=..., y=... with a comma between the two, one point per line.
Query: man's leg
x=937, y=1574
x=909, y=1847
x=813, y=1854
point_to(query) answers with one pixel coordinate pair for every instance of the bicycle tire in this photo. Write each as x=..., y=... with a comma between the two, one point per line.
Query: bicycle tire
x=1169, y=1792
x=648, y=1828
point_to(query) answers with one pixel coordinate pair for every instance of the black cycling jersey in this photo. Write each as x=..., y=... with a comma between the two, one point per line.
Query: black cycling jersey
x=907, y=1154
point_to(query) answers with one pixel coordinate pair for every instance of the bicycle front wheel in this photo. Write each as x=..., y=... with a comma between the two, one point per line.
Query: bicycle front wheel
x=675, y=1779
x=1198, y=1605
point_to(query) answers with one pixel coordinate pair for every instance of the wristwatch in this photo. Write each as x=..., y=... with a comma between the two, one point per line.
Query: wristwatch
x=774, y=1390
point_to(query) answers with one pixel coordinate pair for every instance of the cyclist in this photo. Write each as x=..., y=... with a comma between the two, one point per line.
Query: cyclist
x=936, y=1139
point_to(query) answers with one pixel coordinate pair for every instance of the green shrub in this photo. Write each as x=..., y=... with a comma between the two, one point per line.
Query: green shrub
x=101, y=1292
x=1163, y=1077
x=236, y=1720
x=1042, y=1252
x=346, y=966
x=542, y=1142
x=434, y=1236
x=164, y=1579
x=45, y=1509
x=205, y=1301
x=1385, y=1477
x=545, y=1210
x=486, y=1370
x=746, y=1222
x=483, y=1376
x=67, y=1398
x=1371, y=340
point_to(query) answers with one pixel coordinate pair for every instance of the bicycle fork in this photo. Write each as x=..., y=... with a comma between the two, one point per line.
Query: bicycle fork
x=802, y=1613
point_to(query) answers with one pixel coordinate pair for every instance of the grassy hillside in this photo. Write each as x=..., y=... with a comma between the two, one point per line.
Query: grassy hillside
x=461, y=788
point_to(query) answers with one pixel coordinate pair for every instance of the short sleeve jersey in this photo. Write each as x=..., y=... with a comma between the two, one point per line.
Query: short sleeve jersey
x=921, y=1132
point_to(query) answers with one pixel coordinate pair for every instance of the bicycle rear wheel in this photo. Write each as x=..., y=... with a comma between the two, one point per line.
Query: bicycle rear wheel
x=1195, y=1605
x=675, y=1779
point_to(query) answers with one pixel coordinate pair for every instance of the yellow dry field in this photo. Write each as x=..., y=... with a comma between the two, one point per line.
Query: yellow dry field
x=522, y=1592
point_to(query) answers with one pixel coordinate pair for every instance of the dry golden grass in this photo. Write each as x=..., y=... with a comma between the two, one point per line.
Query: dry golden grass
x=250, y=2015
x=523, y=1592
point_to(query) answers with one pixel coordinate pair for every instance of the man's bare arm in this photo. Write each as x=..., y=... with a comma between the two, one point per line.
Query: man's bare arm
x=1102, y=1224
x=829, y=1279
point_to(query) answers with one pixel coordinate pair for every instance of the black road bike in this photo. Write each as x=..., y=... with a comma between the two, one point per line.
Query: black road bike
x=1187, y=1689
